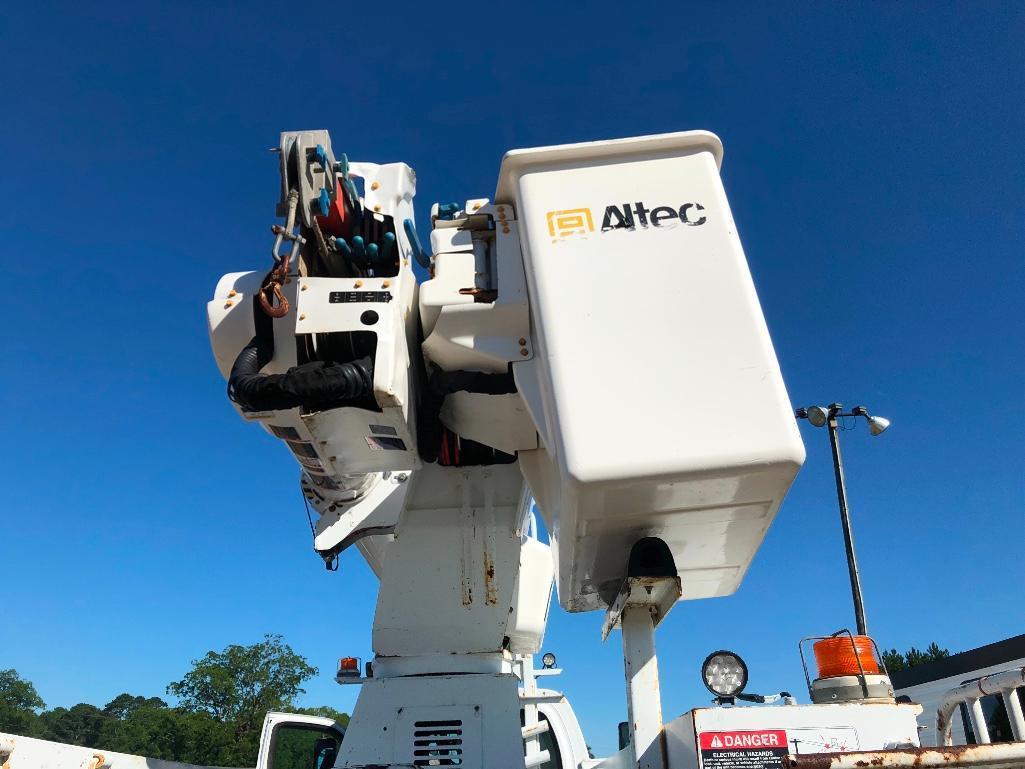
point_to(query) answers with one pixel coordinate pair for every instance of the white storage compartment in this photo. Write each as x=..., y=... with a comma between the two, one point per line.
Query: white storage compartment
x=654, y=384
x=761, y=737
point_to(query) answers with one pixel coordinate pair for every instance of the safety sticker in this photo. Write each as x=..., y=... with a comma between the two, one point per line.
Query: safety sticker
x=311, y=464
x=762, y=749
x=381, y=443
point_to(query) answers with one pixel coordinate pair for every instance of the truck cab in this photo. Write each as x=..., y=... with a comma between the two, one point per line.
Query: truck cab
x=297, y=741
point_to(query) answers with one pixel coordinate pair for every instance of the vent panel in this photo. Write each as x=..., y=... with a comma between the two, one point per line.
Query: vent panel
x=438, y=743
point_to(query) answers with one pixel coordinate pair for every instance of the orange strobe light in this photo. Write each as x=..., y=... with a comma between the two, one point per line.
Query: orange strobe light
x=835, y=656
x=348, y=665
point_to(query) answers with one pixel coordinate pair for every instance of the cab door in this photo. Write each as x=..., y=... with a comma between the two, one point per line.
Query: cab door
x=294, y=741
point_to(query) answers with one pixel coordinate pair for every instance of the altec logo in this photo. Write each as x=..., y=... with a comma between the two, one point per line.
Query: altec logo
x=624, y=216
x=775, y=738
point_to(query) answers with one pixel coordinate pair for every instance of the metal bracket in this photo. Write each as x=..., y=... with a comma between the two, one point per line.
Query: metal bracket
x=659, y=594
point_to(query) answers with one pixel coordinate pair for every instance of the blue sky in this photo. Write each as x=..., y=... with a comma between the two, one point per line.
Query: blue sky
x=875, y=165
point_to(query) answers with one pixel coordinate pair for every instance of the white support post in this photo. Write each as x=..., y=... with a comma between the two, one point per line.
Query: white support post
x=1004, y=683
x=979, y=721
x=1013, y=705
x=643, y=697
x=531, y=743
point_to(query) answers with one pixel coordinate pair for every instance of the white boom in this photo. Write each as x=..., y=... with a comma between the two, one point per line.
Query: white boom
x=590, y=340
x=581, y=341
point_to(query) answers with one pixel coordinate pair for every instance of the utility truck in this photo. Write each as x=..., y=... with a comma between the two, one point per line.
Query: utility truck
x=577, y=345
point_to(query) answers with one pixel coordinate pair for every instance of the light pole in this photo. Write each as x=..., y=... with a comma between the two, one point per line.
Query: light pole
x=821, y=416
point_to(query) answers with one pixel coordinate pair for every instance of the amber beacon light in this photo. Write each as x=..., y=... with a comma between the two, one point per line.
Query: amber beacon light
x=836, y=656
x=849, y=668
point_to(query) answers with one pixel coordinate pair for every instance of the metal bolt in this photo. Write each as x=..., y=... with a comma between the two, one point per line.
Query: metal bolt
x=377, y=207
x=505, y=230
x=476, y=206
x=357, y=284
x=401, y=477
x=304, y=287
x=524, y=351
x=232, y=292
x=522, y=341
x=385, y=284
x=302, y=317
x=228, y=304
x=375, y=185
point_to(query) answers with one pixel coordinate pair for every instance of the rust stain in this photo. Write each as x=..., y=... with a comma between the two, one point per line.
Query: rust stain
x=490, y=589
x=951, y=755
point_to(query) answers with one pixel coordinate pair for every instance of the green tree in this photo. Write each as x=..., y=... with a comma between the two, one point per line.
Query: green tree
x=78, y=725
x=237, y=687
x=170, y=734
x=896, y=661
x=223, y=700
x=20, y=704
x=123, y=705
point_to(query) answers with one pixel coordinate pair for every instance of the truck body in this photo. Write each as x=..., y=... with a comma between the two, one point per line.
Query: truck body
x=587, y=346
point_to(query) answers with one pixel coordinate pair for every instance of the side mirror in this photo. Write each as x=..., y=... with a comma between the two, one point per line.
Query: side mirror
x=325, y=750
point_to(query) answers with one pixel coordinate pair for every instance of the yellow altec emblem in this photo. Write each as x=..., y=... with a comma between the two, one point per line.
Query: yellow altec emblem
x=572, y=221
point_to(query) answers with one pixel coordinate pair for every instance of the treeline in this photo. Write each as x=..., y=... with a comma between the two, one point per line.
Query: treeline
x=220, y=707
x=896, y=660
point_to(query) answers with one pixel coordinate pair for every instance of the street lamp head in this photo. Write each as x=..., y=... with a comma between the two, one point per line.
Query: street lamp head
x=818, y=415
x=877, y=425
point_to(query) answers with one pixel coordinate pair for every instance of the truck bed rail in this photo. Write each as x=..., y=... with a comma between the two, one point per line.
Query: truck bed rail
x=19, y=752
x=1005, y=684
x=1001, y=755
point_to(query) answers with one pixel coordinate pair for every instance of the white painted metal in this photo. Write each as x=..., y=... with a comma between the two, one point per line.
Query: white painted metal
x=931, y=695
x=384, y=723
x=648, y=402
x=449, y=575
x=463, y=334
x=655, y=387
x=501, y=421
x=1003, y=683
x=531, y=731
x=274, y=722
x=230, y=322
x=536, y=759
x=566, y=733
x=999, y=756
x=376, y=512
x=644, y=698
x=18, y=752
x=808, y=728
x=978, y=721
x=657, y=595
x=1012, y=701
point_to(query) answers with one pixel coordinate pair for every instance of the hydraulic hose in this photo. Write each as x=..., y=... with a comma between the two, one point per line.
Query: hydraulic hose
x=315, y=386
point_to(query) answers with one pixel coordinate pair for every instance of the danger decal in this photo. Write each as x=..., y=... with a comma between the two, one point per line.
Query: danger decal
x=762, y=749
